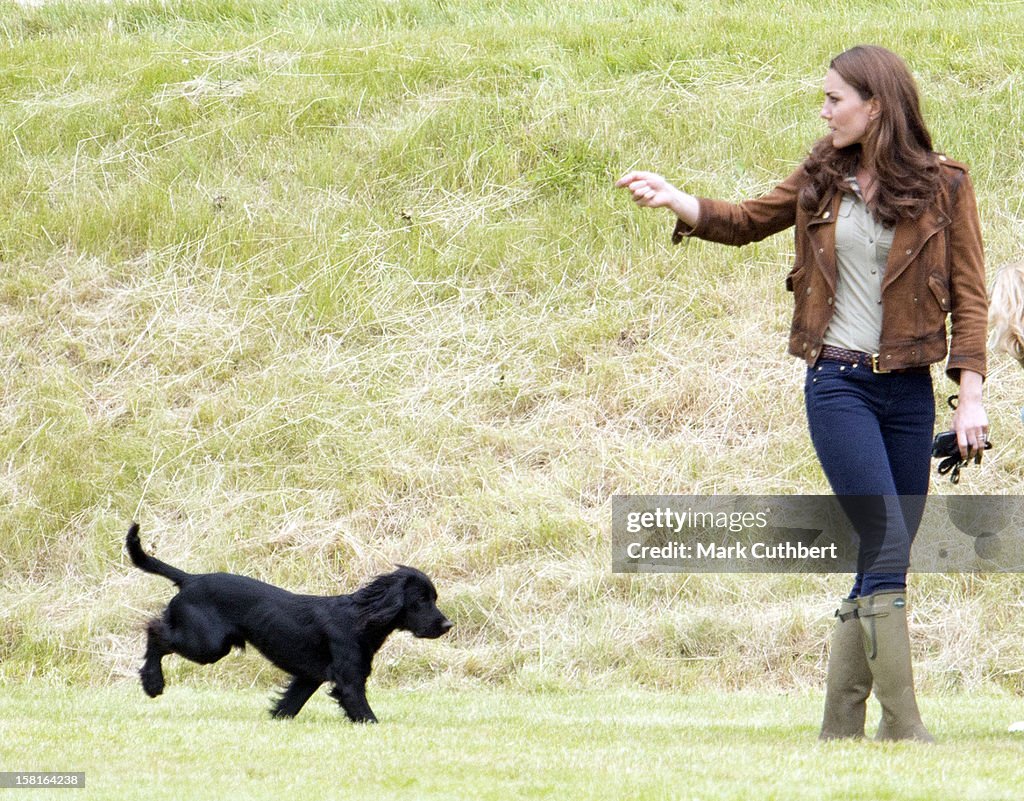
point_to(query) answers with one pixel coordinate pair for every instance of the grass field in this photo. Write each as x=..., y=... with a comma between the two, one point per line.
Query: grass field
x=312, y=288
x=498, y=744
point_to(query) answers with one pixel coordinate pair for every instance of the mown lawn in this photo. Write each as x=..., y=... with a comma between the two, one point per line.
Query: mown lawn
x=499, y=744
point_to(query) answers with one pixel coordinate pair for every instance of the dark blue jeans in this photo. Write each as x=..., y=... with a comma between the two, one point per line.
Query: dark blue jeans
x=873, y=436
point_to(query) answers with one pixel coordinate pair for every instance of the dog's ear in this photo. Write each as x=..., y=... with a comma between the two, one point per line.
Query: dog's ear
x=383, y=599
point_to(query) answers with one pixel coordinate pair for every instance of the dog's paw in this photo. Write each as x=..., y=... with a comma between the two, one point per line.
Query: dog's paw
x=280, y=712
x=152, y=682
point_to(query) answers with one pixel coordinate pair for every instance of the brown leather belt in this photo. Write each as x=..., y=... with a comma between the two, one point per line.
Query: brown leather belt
x=858, y=358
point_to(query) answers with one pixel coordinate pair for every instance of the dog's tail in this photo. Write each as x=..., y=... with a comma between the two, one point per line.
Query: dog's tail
x=150, y=564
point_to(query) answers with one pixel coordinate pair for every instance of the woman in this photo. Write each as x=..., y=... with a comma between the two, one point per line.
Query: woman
x=888, y=245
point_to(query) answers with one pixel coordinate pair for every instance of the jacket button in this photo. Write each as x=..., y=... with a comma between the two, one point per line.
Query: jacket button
x=808, y=290
x=814, y=354
x=826, y=215
x=942, y=158
x=822, y=250
x=909, y=251
x=830, y=301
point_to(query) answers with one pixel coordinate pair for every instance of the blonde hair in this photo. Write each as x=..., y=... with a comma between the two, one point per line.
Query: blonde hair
x=1006, y=310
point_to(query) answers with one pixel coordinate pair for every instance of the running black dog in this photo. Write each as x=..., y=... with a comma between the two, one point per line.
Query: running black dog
x=315, y=639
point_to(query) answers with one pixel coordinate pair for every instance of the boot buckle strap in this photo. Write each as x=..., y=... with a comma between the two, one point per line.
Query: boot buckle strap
x=859, y=613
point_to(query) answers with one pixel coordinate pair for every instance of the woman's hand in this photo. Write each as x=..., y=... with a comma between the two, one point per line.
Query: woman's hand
x=969, y=420
x=652, y=191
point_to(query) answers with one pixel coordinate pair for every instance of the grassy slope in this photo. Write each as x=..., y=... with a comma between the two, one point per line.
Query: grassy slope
x=309, y=290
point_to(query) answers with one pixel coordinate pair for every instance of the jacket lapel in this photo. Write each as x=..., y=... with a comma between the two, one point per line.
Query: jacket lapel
x=821, y=229
x=908, y=239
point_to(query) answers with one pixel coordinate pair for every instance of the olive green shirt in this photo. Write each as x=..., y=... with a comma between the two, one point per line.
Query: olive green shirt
x=862, y=249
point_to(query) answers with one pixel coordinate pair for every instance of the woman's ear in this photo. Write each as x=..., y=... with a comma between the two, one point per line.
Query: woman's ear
x=875, y=109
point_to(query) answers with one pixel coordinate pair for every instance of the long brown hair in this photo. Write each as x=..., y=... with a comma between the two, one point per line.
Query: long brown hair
x=906, y=169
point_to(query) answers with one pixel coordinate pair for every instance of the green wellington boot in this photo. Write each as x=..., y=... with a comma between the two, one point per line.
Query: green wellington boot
x=848, y=684
x=883, y=617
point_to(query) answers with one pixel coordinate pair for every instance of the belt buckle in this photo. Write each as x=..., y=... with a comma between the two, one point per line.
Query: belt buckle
x=874, y=365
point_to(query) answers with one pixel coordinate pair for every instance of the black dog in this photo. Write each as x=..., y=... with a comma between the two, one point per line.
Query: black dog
x=314, y=638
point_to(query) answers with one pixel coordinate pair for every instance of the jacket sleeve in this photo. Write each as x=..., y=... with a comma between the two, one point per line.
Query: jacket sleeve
x=969, y=299
x=749, y=221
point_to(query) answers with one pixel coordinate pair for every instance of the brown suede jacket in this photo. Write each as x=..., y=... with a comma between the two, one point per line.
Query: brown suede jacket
x=935, y=270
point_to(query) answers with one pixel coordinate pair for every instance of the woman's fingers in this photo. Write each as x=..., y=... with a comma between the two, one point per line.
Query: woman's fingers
x=634, y=176
x=643, y=186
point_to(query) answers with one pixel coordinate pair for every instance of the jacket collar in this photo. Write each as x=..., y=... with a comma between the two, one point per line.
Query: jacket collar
x=827, y=209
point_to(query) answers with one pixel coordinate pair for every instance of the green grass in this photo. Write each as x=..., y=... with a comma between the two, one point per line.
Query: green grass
x=312, y=288
x=477, y=743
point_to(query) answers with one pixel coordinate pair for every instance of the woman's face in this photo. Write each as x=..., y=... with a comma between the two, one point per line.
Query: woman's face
x=848, y=115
